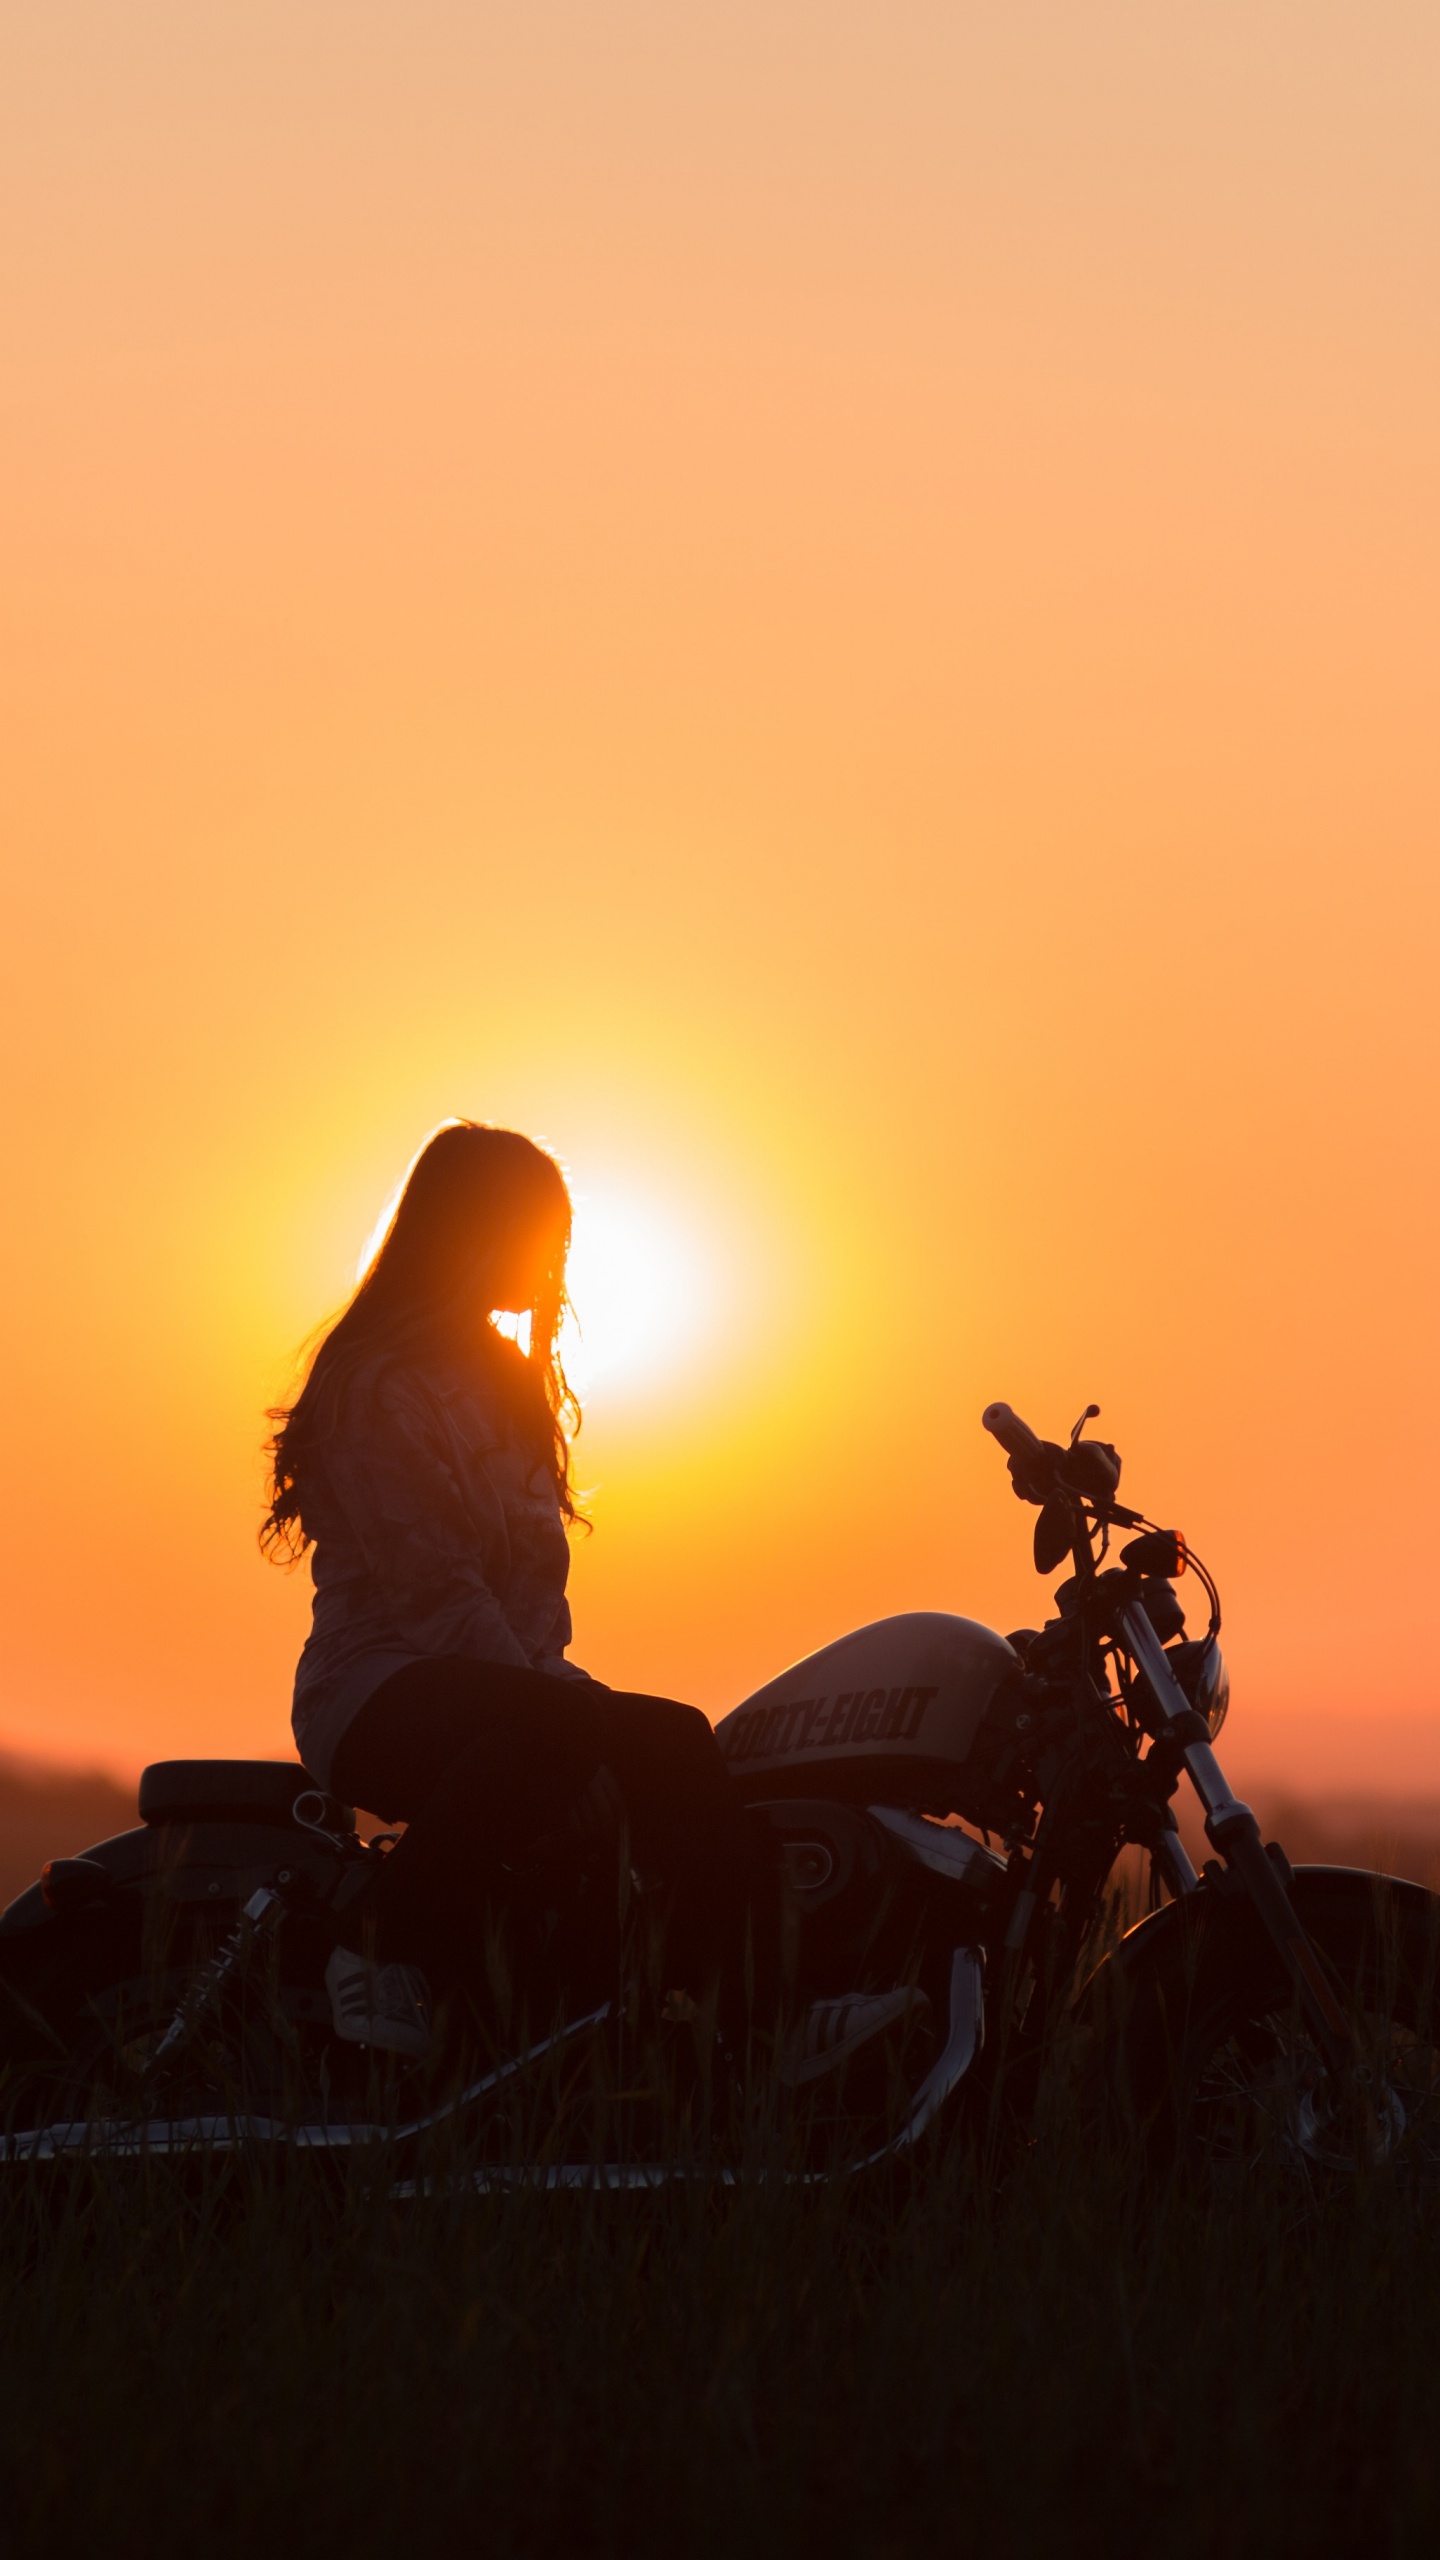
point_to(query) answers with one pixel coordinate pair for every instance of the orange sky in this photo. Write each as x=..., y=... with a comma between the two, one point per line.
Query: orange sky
x=832, y=607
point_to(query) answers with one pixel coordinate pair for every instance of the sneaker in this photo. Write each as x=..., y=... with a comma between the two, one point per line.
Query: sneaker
x=831, y=2030
x=387, y=2005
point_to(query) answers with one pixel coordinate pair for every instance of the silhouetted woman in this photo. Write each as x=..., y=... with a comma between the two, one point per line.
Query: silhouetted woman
x=426, y=1467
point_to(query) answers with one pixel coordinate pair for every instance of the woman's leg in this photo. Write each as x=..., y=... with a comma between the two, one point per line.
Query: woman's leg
x=402, y=1746
x=715, y=1868
x=485, y=1761
x=478, y=1761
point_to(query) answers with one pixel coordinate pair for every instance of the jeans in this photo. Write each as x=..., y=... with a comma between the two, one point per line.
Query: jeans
x=499, y=1772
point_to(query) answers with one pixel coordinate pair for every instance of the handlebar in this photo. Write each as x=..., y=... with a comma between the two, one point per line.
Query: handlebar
x=1034, y=1463
x=1015, y=1437
x=1088, y=1471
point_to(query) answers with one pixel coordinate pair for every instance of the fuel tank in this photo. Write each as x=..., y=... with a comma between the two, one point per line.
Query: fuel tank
x=898, y=1711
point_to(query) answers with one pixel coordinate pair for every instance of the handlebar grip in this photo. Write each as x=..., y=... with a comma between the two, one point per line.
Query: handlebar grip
x=1015, y=1437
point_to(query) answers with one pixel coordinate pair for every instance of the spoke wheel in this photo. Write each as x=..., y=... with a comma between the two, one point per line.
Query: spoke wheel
x=1264, y=2095
x=1216, y=2061
x=94, y=2014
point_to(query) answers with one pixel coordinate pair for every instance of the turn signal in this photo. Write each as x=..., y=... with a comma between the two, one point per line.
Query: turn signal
x=73, y=1884
x=1160, y=1551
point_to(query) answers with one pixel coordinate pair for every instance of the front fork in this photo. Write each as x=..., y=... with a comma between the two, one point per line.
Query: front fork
x=1233, y=1831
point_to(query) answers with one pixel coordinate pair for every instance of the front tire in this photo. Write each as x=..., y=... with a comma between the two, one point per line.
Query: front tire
x=1214, y=2061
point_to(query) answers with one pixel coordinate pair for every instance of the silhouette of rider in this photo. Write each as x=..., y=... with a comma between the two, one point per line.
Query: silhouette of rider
x=425, y=1466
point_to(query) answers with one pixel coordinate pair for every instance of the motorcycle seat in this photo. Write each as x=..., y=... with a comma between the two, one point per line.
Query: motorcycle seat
x=231, y=1791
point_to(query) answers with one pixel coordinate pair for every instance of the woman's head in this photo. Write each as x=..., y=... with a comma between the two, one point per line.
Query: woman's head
x=481, y=1228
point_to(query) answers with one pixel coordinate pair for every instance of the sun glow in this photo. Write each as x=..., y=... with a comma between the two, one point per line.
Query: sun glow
x=641, y=1292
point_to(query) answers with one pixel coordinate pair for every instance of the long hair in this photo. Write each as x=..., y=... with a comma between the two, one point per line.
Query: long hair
x=481, y=1211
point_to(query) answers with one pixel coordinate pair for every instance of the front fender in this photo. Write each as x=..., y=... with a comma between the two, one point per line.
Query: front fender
x=1321, y=1896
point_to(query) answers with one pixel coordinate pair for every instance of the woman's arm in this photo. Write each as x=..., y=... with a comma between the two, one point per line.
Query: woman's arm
x=428, y=1551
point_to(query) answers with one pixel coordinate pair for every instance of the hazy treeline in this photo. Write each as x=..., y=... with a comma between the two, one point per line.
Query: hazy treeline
x=49, y=1813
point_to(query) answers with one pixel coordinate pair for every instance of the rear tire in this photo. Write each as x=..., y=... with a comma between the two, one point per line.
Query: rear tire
x=83, y=2009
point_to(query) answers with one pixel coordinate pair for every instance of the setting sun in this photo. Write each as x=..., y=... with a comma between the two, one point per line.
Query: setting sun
x=642, y=1294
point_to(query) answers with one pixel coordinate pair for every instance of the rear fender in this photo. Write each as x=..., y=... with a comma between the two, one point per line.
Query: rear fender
x=216, y=1863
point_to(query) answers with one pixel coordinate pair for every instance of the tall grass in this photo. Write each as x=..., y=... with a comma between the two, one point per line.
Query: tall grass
x=265, y=2356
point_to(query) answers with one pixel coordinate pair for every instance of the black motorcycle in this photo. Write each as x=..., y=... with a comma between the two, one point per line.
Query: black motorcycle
x=952, y=1808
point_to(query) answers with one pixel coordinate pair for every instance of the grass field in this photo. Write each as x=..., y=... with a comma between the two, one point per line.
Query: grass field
x=1064, y=2360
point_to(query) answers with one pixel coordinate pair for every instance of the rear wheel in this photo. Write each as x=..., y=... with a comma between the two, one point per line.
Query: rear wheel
x=84, y=2010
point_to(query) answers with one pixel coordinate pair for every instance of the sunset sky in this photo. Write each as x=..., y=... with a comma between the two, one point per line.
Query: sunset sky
x=834, y=610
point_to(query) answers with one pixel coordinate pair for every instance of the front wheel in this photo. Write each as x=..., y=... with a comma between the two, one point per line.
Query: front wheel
x=1214, y=2060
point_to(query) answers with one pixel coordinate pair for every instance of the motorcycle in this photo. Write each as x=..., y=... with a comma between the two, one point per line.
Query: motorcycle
x=950, y=1807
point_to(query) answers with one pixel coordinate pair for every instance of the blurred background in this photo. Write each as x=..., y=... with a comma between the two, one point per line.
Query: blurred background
x=830, y=608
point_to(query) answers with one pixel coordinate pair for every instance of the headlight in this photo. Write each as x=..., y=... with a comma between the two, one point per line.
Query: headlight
x=1200, y=1670
x=1212, y=1688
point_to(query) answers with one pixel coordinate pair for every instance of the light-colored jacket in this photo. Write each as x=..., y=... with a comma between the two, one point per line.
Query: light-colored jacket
x=435, y=1532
